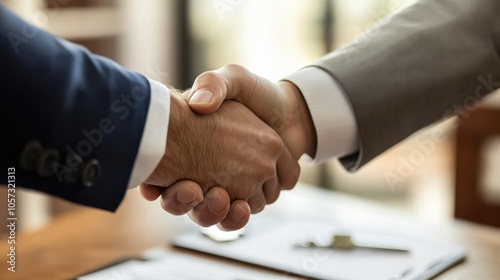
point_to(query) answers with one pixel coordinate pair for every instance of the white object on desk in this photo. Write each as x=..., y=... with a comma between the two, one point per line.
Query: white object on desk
x=162, y=264
x=345, y=242
x=272, y=245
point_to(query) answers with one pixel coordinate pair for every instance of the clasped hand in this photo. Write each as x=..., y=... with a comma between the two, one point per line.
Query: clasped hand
x=233, y=144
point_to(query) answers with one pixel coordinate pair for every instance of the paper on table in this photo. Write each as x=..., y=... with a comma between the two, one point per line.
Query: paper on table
x=162, y=264
x=273, y=246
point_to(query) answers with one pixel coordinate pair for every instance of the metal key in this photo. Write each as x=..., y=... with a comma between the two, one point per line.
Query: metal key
x=345, y=242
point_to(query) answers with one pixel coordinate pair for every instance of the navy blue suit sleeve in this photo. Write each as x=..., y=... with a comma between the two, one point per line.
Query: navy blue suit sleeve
x=86, y=108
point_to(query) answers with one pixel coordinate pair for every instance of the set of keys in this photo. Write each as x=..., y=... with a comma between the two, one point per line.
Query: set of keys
x=345, y=242
x=337, y=242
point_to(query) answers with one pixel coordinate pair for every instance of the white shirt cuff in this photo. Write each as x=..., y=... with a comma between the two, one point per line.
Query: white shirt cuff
x=331, y=111
x=154, y=137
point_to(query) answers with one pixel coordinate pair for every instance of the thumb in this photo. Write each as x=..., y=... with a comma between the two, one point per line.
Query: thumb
x=208, y=92
x=235, y=82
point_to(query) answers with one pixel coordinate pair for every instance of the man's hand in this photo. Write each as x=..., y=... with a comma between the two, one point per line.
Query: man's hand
x=280, y=105
x=231, y=154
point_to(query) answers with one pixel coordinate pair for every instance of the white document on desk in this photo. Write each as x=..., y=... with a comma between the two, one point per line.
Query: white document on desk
x=159, y=264
x=272, y=246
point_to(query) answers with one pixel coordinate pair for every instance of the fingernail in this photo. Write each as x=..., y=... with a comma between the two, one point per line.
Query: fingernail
x=202, y=96
x=186, y=196
x=216, y=204
x=238, y=213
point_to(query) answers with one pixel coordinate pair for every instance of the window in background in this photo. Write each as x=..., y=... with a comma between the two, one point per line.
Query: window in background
x=275, y=37
x=271, y=38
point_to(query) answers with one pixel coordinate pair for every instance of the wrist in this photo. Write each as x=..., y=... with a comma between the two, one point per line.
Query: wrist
x=178, y=131
x=305, y=132
x=165, y=171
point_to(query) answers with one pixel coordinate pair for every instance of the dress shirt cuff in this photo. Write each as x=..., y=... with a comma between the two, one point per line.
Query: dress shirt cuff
x=154, y=137
x=331, y=112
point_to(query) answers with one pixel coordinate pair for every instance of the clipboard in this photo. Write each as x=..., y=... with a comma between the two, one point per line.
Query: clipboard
x=271, y=245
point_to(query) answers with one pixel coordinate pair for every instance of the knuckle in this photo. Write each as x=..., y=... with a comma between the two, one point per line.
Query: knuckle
x=204, y=219
x=172, y=208
x=207, y=77
x=271, y=190
x=268, y=172
x=257, y=204
x=229, y=224
x=272, y=198
x=274, y=142
x=291, y=179
x=259, y=209
x=235, y=68
x=204, y=223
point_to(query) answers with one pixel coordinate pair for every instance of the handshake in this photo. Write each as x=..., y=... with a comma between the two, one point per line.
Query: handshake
x=233, y=144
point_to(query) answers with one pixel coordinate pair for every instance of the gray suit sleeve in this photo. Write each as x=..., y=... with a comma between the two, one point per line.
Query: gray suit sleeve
x=415, y=67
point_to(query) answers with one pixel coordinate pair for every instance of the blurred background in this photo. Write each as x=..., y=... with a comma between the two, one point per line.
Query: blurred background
x=433, y=174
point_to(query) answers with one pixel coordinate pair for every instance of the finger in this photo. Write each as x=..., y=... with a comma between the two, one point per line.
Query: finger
x=150, y=192
x=181, y=197
x=213, y=209
x=238, y=216
x=288, y=170
x=271, y=189
x=257, y=203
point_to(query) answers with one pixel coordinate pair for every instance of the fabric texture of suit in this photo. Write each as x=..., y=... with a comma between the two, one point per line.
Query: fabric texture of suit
x=71, y=101
x=415, y=67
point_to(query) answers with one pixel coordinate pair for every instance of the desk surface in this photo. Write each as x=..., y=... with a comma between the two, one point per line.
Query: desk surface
x=86, y=239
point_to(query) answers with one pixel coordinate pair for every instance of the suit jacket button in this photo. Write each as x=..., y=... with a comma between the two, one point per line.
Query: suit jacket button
x=91, y=173
x=44, y=167
x=75, y=162
x=30, y=154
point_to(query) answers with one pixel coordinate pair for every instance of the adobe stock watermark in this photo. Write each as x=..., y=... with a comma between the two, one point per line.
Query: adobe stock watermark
x=408, y=165
x=40, y=18
x=93, y=138
x=11, y=221
x=222, y=7
x=312, y=263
